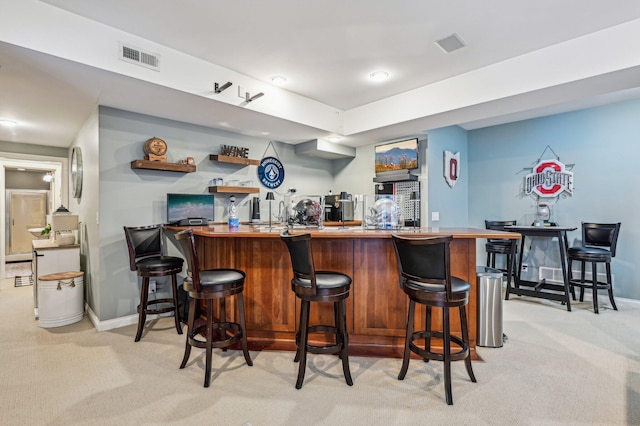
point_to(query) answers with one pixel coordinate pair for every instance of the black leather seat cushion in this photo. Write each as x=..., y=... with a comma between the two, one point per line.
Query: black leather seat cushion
x=159, y=263
x=590, y=254
x=457, y=286
x=325, y=280
x=219, y=279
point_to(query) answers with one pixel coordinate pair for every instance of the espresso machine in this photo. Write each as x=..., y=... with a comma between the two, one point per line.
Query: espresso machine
x=338, y=207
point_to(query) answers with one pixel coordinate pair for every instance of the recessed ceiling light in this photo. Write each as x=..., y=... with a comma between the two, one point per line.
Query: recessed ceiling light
x=379, y=75
x=8, y=123
x=334, y=138
x=279, y=80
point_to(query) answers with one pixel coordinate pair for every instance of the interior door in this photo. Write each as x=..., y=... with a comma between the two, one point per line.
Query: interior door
x=28, y=209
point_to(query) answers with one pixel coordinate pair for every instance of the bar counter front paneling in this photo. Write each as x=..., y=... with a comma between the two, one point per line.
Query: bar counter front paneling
x=376, y=307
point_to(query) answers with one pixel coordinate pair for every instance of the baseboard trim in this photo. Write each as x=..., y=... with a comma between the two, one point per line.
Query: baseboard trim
x=112, y=323
x=133, y=319
x=117, y=322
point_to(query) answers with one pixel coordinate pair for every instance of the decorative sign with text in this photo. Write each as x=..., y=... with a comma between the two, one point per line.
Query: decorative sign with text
x=234, y=151
x=271, y=172
x=549, y=179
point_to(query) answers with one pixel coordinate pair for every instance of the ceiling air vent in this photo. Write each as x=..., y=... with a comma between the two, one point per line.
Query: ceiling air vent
x=451, y=43
x=139, y=57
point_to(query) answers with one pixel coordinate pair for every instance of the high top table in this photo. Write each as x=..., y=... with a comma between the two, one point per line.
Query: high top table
x=376, y=307
x=542, y=289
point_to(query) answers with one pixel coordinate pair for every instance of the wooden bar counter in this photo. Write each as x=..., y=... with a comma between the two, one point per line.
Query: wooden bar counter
x=376, y=307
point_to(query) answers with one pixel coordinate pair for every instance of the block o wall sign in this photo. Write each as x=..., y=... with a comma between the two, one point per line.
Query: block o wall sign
x=451, y=167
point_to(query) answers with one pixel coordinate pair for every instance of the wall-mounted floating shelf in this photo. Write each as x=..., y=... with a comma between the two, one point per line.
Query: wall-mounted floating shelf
x=233, y=190
x=234, y=160
x=167, y=167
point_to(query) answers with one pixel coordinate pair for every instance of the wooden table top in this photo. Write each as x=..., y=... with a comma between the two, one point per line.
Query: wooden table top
x=251, y=231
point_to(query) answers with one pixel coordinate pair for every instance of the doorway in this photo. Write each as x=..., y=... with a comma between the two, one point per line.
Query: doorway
x=31, y=163
x=27, y=215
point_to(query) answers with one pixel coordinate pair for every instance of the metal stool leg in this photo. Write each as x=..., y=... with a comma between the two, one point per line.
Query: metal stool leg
x=190, y=327
x=176, y=305
x=407, y=341
x=142, y=308
x=245, y=349
x=610, y=283
x=342, y=332
x=304, y=337
x=446, y=338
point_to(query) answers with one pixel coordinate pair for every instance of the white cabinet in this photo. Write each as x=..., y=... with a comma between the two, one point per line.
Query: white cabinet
x=51, y=258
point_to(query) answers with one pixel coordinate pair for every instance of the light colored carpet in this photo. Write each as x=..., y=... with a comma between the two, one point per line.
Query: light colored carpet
x=557, y=368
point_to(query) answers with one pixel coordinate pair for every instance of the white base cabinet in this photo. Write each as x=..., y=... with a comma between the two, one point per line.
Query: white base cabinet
x=51, y=258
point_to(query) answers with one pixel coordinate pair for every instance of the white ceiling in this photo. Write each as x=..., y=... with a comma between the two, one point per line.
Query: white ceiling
x=522, y=59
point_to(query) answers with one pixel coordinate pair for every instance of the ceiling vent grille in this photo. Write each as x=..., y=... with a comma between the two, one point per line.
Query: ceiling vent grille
x=451, y=43
x=136, y=56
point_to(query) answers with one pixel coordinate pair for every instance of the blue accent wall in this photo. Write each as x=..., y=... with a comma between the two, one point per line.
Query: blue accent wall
x=603, y=143
x=451, y=203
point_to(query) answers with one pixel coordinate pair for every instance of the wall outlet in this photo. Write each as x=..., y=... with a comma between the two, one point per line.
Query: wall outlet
x=152, y=286
x=435, y=216
x=525, y=267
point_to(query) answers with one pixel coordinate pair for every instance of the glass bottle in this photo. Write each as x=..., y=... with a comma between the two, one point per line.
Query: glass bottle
x=233, y=213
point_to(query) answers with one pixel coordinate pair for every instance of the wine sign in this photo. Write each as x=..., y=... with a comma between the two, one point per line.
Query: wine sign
x=234, y=151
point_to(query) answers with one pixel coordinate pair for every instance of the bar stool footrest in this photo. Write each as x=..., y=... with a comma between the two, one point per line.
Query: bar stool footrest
x=157, y=311
x=459, y=355
x=220, y=328
x=601, y=285
x=325, y=349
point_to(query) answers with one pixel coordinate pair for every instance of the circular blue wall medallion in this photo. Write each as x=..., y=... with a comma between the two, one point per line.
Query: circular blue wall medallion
x=271, y=172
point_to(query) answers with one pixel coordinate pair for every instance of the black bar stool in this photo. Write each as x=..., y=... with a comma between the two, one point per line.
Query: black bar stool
x=309, y=286
x=209, y=285
x=599, y=242
x=504, y=247
x=426, y=278
x=146, y=256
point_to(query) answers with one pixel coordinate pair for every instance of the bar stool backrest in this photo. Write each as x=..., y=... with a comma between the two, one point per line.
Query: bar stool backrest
x=498, y=225
x=299, y=247
x=424, y=260
x=601, y=235
x=188, y=245
x=143, y=242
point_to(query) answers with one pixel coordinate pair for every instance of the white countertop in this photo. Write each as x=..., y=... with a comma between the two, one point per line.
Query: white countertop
x=50, y=244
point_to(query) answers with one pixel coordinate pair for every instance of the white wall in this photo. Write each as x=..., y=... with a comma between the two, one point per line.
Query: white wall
x=87, y=207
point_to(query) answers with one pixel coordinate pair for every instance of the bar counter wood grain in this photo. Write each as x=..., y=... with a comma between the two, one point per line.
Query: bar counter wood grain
x=376, y=307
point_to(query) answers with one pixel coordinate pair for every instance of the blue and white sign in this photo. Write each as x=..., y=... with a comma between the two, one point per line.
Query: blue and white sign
x=271, y=172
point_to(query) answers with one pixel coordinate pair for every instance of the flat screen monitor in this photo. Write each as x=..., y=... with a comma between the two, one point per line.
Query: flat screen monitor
x=188, y=206
x=398, y=155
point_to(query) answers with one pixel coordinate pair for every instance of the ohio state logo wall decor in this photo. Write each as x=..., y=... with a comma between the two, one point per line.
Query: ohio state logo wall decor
x=548, y=179
x=451, y=167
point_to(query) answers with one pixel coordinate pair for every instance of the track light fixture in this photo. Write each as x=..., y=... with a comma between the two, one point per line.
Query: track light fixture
x=219, y=89
x=248, y=98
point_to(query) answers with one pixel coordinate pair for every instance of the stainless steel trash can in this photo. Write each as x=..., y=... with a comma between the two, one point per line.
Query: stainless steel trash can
x=489, y=307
